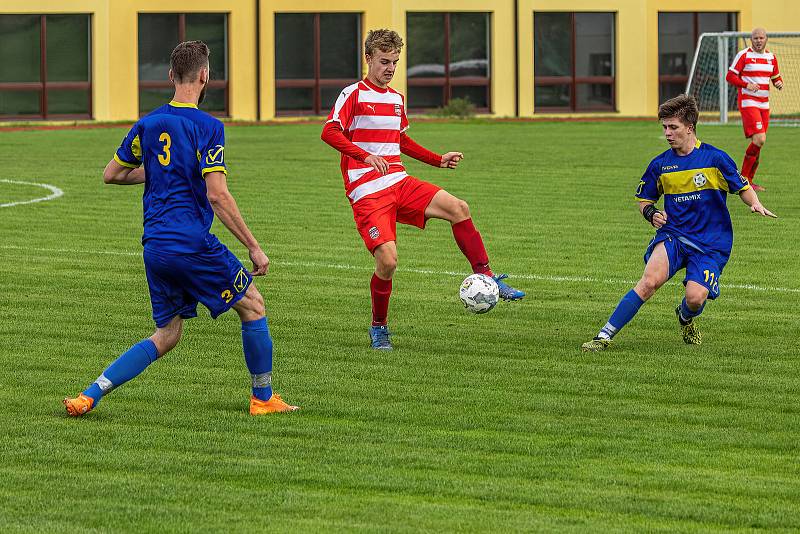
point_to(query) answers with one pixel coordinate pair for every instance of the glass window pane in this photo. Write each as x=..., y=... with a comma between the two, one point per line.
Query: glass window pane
x=552, y=44
x=552, y=96
x=294, y=99
x=425, y=97
x=340, y=45
x=594, y=44
x=675, y=43
x=71, y=102
x=715, y=22
x=425, y=33
x=475, y=94
x=593, y=96
x=158, y=35
x=294, y=53
x=68, y=48
x=214, y=100
x=469, y=44
x=211, y=28
x=150, y=99
x=669, y=90
x=19, y=103
x=20, y=51
x=328, y=96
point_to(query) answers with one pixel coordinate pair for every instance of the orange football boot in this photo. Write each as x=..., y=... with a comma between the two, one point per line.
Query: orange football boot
x=275, y=404
x=79, y=405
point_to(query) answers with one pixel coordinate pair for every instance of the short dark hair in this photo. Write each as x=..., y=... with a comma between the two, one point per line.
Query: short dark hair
x=683, y=108
x=383, y=40
x=187, y=59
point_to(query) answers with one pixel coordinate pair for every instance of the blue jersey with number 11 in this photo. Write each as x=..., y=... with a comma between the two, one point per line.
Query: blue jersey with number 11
x=178, y=144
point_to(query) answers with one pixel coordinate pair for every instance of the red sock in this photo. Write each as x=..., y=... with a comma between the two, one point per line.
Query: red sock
x=750, y=163
x=381, y=291
x=471, y=244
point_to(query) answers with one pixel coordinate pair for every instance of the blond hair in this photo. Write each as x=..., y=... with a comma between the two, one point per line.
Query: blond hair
x=383, y=40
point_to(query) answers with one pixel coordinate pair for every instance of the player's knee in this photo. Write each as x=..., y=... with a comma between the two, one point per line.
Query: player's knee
x=759, y=139
x=648, y=286
x=166, y=338
x=461, y=209
x=696, y=297
x=387, y=265
x=251, y=307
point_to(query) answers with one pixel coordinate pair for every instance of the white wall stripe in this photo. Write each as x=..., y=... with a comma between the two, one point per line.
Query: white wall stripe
x=54, y=193
x=368, y=268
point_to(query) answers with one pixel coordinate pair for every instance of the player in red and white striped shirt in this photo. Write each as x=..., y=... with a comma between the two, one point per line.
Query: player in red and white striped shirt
x=751, y=71
x=368, y=126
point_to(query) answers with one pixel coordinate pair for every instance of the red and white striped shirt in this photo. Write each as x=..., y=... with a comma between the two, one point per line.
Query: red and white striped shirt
x=754, y=67
x=372, y=119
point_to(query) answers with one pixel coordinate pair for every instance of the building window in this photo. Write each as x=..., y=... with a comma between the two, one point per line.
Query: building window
x=159, y=33
x=448, y=57
x=316, y=56
x=677, y=39
x=573, y=59
x=45, y=67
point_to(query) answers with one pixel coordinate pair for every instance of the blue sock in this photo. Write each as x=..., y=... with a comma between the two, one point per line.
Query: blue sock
x=257, y=346
x=129, y=365
x=686, y=315
x=626, y=309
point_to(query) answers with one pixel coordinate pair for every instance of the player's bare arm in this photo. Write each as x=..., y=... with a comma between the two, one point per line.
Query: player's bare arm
x=750, y=198
x=653, y=215
x=117, y=174
x=224, y=206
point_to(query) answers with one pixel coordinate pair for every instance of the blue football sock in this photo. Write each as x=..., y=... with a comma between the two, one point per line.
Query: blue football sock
x=626, y=309
x=257, y=346
x=129, y=365
x=686, y=314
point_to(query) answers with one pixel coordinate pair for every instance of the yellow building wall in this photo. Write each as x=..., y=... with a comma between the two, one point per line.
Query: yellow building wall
x=115, y=37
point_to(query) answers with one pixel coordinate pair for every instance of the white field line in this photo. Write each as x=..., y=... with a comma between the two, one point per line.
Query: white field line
x=54, y=193
x=348, y=267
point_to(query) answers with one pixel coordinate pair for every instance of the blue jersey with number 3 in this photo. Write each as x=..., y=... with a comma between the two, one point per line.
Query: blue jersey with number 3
x=178, y=145
x=695, y=188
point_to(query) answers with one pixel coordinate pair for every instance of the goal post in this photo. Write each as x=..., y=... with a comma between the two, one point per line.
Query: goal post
x=716, y=98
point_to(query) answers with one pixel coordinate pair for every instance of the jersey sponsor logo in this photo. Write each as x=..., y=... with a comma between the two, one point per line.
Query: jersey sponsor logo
x=240, y=281
x=374, y=233
x=669, y=168
x=215, y=155
x=398, y=110
x=687, y=198
x=699, y=179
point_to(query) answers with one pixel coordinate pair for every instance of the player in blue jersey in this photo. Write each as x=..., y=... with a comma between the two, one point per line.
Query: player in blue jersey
x=694, y=230
x=184, y=176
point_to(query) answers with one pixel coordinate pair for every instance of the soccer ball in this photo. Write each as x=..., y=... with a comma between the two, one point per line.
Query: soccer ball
x=479, y=293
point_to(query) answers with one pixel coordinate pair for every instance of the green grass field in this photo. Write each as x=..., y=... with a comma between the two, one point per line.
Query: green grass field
x=473, y=423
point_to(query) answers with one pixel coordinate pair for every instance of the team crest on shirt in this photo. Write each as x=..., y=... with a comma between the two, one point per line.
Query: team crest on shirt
x=759, y=125
x=374, y=233
x=398, y=110
x=700, y=179
x=215, y=155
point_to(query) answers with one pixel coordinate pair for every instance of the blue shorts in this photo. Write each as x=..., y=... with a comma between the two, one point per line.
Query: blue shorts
x=705, y=269
x=178, y=282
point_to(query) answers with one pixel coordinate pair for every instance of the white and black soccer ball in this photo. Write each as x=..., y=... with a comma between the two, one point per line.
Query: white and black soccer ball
x=479, y=293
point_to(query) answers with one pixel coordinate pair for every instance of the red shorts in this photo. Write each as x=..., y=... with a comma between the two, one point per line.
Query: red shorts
x=405, y=202
x=754, y=120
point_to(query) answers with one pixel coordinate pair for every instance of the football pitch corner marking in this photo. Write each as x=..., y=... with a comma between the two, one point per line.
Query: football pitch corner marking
x=350, y=267
x=55, y=192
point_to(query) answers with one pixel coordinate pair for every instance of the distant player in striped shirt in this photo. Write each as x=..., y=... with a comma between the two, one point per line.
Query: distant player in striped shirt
x=751, y=71
x=368, y=126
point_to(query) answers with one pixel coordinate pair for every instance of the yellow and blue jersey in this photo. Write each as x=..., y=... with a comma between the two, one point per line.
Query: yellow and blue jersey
x=178, y=145
x=695, y=189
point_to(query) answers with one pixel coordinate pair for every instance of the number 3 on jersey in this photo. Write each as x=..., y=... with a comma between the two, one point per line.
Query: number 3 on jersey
x=163, y=159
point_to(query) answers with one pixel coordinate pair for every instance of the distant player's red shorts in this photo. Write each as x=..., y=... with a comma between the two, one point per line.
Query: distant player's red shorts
x=754, y=120
x=405, y=202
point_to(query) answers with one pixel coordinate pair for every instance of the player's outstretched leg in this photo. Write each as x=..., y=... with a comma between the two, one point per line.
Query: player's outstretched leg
x=257, y=347
x=128, y=366
x=456, y=211
x=380, y=288
x=625, y=311
x=691, y=307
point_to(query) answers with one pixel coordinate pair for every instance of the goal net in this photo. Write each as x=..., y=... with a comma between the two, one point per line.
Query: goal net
x=717, y=98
